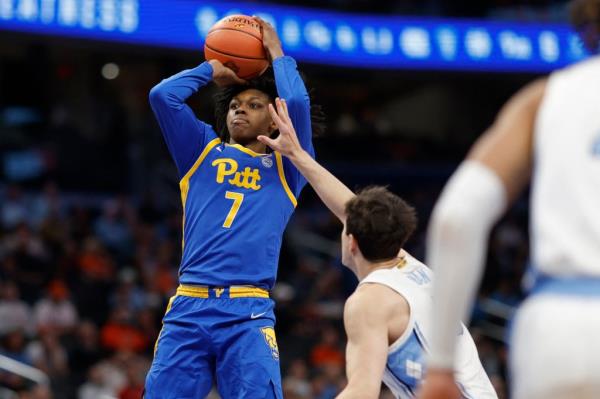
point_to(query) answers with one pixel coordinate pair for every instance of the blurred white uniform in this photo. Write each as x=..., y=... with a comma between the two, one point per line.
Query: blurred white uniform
x=405, y=364
x=555, y=349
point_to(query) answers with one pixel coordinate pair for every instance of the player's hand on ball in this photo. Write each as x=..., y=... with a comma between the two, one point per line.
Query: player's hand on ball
x=271, y=41
x=287, y=142
x=439, y=384
x=223, y=76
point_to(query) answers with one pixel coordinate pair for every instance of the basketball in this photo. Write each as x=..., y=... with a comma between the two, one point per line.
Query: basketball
x=236, y=41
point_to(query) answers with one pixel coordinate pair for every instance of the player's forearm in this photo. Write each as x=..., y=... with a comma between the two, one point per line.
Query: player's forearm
x=290, y=85
x=329, y=188
x=275, y=52
x=172, y=92
x=291, y=88
x=183, y=132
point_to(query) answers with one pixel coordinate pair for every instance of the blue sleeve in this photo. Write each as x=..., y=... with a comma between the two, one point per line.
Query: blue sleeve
x=291, y=88
x=185, y=135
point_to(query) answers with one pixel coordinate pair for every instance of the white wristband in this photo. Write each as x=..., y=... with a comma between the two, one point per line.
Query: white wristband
x=470, y=204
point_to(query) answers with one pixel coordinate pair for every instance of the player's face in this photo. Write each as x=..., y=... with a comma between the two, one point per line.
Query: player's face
x=248, y=116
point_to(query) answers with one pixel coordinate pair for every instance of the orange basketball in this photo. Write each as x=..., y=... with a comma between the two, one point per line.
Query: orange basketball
x=236, y=41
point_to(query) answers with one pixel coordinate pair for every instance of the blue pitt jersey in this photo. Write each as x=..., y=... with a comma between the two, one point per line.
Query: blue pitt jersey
x=234, y=224
x=236, y=203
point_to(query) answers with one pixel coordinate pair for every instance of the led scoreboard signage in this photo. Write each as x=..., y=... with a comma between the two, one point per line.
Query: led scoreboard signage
x=324, y=37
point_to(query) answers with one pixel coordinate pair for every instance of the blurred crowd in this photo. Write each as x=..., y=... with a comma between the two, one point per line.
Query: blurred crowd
x=84, y=282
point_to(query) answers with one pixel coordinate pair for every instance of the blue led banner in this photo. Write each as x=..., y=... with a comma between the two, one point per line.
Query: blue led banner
x=311, y=35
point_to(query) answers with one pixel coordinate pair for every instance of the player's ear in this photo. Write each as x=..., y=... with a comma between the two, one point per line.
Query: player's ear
x=352, y=244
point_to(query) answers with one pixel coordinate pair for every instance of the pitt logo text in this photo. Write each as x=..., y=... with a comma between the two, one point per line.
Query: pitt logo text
x=248, y=178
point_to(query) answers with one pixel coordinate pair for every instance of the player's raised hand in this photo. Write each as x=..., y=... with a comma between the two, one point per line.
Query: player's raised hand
x=439, y=384
x=223, y=76
x=287, y=142
x=271, y=41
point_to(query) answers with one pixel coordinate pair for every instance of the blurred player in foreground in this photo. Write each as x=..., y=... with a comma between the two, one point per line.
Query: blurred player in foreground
x=387, y=317
x=550, y=128
x=237, y=200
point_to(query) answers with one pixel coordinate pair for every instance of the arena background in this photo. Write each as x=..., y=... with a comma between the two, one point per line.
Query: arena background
x=90, y=213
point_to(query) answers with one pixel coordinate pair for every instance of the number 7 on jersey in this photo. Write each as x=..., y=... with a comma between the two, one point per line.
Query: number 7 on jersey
x=235, y=207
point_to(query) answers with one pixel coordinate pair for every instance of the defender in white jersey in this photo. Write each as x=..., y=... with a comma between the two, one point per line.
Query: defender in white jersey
x=387, y=317
x=550, y=129
x=405, y=365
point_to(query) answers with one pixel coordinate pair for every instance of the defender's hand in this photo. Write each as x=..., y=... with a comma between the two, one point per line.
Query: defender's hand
x=439, y=384
x=271, y=41
x=223, y=76
x=287, y=142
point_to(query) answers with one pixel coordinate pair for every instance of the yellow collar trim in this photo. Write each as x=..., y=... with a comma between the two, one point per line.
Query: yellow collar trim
x=246, y=150
x=401, y=262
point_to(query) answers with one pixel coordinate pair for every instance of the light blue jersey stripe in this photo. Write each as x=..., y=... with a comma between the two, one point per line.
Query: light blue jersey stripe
x=577, y=286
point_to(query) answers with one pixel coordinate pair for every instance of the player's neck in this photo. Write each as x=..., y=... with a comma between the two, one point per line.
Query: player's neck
x=364, y=267
x=255, y=146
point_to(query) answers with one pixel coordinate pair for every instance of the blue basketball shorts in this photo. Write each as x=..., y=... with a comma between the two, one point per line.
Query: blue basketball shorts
x=222, y=335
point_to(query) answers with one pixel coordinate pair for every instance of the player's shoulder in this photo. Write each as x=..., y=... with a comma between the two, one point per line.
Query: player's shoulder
x=574, y=77
x=413, y=271
x=591, y=64
x=414, y=262
x=373, y=298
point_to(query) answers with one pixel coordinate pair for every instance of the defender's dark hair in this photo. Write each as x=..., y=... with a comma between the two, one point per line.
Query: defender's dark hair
x=380, y=221
x=266, y=84
x=583, y=12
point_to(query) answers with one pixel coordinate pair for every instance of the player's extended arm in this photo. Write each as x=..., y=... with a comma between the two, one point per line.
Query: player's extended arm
x=332, y=191
x=496, y=170
x=184, y=134
x=290, y=85
x=365, y=320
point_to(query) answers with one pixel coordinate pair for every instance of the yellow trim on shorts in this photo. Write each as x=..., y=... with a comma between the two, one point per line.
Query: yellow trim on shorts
x=284, y=183
x=247, y=292
x=239, y=291
x=193, y=291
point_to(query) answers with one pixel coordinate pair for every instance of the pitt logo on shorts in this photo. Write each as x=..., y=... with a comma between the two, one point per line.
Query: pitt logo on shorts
x=269, y=334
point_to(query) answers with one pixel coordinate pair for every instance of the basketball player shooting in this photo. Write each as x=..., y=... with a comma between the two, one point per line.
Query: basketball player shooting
x=550, y=130
x=387, y=317
x=237, y=199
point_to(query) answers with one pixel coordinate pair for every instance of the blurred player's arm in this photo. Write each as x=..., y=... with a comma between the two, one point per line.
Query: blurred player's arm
x=507, y=147
x=366, y=318
x=332, y=191
x=494, y=173
x=184, y=134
